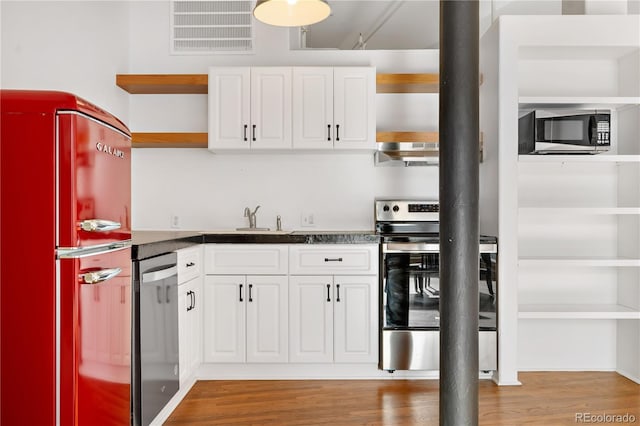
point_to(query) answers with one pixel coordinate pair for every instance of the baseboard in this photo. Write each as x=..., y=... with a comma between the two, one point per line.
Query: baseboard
x=164, y=414
x=632, y=377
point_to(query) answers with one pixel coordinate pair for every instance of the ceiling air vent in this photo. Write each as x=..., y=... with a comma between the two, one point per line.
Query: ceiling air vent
x=222, y=26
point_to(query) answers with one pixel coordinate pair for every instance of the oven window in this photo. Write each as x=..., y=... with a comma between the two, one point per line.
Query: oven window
x=411, y=291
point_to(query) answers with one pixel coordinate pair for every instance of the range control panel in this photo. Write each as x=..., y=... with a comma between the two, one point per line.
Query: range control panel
x=404, y=210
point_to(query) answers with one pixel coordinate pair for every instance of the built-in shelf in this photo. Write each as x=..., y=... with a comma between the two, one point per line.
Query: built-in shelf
x=595, y=158
x=407, y=83
x=579, y=210
x=545, y=262
x=415, y=137
x=159, y=84
x=577, y=311
x=578, y=102
x=169, y=140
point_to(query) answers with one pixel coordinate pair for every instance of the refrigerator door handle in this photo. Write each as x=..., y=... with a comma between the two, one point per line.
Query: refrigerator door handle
x=99, y=225
x=96, y=277
x=159, y=275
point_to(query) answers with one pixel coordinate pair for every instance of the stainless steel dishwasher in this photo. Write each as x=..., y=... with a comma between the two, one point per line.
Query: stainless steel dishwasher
x=155, y=336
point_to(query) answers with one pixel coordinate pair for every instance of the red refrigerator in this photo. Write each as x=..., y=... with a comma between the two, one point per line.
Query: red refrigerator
x=65, y=277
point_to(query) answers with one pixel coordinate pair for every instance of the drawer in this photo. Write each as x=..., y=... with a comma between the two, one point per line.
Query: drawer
x=246, y=259
x=189, y=263
x=319, y=259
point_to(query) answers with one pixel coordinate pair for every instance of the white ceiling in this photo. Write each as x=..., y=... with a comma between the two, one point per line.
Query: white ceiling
x=384, y=24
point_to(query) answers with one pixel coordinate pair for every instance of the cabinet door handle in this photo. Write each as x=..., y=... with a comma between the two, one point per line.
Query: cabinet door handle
x=190, y=300
x=337, y=132
x=250, y=287
x=190, y=264
x=338, y=290
x=254, y=132
x=245, y=132
x=329, y=132
x=166, y=291
x=337, y=259
x=328, y=292
x=159, y=295
x=193, y=300
x=241, y=293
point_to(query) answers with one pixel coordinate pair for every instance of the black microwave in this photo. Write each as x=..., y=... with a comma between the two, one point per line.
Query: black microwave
x=564, y=134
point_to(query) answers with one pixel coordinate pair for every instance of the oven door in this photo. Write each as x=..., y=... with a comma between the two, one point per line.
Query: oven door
x=410, y=306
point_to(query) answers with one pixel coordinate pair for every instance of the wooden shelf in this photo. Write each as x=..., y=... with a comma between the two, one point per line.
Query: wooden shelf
x=169, y=140
x=407, y=83
x=198, y=83
x=164, y=83
x=415, y=137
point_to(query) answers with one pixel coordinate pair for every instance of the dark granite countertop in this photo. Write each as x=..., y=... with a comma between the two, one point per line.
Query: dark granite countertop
x=295, y=237
x=153, y=243
x=147, y=244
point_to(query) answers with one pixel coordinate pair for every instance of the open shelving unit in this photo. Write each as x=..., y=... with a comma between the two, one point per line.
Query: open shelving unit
x=411, y=85
x=568, y=225
x=163, y=84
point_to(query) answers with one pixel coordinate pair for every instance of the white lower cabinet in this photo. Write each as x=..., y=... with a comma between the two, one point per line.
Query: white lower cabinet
x=326, y=311
x=190, y=327
x=333, y=319
x=189, y=311
x=245, y=318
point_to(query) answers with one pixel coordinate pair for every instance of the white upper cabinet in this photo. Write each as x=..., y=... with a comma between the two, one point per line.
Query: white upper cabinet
x=334, y=108
x=313, y=126
x=229, y=107
x=249, y=108
x=271, y=107
x=280, y=108
x=354, y=107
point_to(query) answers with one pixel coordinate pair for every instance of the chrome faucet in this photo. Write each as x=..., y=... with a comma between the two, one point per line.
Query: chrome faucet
x=251, y=216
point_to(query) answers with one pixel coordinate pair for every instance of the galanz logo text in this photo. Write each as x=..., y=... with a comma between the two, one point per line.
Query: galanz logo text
x=109, y=150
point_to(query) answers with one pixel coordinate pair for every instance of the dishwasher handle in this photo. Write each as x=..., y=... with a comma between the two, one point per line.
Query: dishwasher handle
x=161, y=274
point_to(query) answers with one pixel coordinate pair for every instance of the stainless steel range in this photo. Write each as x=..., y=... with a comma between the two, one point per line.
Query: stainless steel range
x=410, y=287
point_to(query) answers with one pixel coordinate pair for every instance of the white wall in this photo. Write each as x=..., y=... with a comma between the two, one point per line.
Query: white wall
x=71, y=46
x=210, y=191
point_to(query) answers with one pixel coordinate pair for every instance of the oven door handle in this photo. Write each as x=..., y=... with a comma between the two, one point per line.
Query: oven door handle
x=410, y=248
x=429, y=248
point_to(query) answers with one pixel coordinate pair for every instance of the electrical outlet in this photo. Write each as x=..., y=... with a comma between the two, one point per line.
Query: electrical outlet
x=174, y=221
x=307, y=220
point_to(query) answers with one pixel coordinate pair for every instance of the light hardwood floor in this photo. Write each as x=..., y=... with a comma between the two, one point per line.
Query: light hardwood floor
x=543, y=399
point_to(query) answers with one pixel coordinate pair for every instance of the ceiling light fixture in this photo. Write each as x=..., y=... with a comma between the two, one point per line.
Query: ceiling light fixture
x=291, y=13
